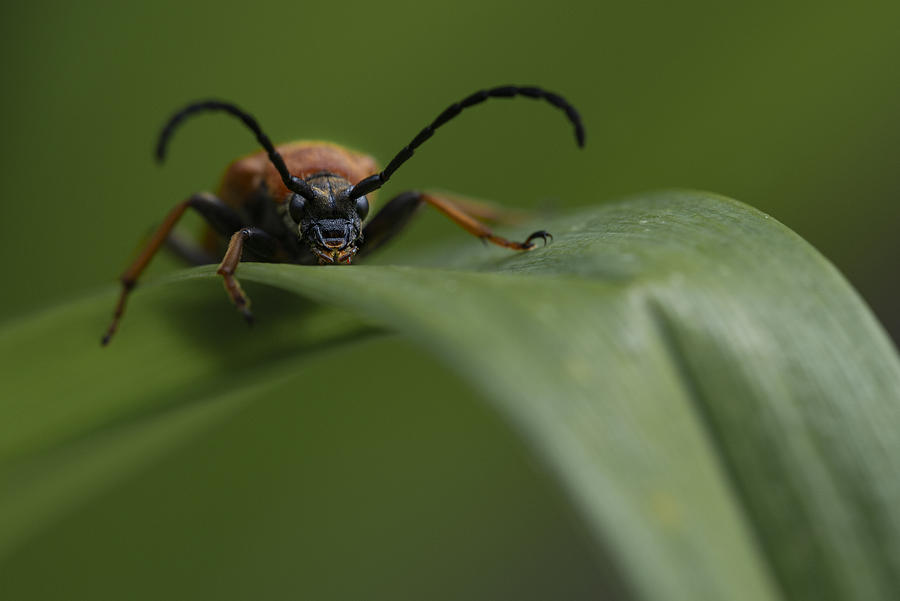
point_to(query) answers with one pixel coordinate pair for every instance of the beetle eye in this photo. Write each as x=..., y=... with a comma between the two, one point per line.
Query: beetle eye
x=297, y=207
x=362, y=207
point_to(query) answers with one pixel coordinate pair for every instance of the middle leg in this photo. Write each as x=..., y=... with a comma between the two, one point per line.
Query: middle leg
x=219, y=215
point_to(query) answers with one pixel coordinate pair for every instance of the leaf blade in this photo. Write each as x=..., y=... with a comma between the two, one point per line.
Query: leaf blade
x=651, y=356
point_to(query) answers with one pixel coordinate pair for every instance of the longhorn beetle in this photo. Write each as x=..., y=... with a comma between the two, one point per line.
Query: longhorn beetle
x=305, y=202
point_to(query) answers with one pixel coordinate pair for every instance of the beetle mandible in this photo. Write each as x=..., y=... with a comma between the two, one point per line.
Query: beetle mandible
x=306, y=202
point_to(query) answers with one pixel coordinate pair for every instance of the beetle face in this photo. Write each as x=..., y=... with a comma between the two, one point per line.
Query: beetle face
x=330, y=222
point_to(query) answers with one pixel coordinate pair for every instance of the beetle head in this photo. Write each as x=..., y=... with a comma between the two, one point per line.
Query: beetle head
x=328, y=219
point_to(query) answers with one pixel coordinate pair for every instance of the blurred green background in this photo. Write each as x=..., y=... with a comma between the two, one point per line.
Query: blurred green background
x=406, y=484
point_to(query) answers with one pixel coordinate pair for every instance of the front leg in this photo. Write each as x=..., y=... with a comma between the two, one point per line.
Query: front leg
x=262, y=244
x=391, y=219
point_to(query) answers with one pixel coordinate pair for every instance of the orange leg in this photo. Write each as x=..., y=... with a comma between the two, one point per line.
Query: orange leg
x=397, y=213
x=475, y=227
x=484, y=210
x=211, y=208
x=230, y=262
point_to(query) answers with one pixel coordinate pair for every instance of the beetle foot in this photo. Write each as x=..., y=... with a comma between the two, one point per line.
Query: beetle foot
x=542, y=234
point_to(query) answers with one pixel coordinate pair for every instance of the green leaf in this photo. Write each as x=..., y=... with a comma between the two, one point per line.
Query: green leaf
x=720, y=406
x=76, y=417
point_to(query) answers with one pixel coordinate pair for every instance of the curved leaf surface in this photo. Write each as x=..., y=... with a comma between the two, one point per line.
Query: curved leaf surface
x=719, y=404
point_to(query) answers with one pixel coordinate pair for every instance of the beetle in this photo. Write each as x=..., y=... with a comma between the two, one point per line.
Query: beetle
x=306, y=202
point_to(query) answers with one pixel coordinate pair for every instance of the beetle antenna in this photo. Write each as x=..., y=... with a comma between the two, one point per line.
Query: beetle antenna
x=295, y=184
x=379, y=179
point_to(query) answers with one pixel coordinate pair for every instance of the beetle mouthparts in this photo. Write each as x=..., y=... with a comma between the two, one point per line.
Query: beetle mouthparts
x=328, y=256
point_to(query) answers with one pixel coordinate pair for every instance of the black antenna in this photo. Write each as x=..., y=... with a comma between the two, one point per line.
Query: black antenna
x=295, y=184
x=376, y=181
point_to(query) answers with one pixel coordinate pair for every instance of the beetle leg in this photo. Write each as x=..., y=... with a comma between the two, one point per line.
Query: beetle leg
x=262, y=243
x=222, y=217
x=486, y=211
x=397, y=213
x=188, y=250
x=475, y=227
x=388, y=222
